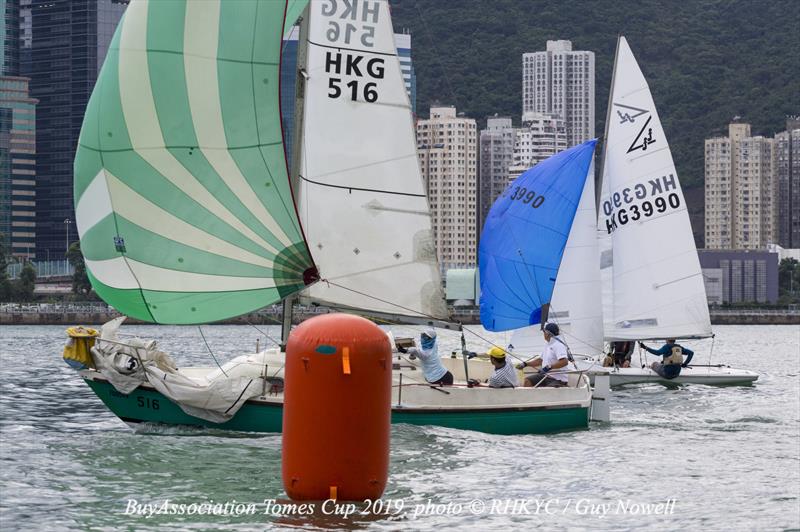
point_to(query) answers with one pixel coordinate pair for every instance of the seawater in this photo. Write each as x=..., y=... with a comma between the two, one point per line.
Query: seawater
x=720, y=458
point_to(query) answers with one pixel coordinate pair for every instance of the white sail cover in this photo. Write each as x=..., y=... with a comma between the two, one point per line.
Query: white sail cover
x=657, y=286
x=361, y=197
x=576, y=305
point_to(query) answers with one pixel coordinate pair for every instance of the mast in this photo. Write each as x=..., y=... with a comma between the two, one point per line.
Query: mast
x=286, y=320
x=298, y=150
x=599, y=190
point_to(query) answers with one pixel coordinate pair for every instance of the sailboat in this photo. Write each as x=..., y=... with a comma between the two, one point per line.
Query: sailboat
x=187, y=213
x=652, y=284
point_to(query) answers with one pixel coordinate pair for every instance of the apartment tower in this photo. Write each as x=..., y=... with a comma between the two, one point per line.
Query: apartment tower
x=447, y=146
x=560, y=82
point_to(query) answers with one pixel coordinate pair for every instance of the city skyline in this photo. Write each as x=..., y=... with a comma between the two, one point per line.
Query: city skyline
x=558, y=50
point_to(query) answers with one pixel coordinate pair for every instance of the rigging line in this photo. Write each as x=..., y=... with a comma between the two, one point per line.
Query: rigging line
x=266, y=335
x=491, y=343
x=209, y=350
x=345, y=187
x=411, y=310
x=711, y=352
x=417, y=312
x=293, y=220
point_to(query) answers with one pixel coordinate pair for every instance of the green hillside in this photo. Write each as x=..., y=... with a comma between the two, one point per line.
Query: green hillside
x=706, y=60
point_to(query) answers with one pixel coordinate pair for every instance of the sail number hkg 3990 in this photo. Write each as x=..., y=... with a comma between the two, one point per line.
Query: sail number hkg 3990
x=630, y=204
x=355, y=75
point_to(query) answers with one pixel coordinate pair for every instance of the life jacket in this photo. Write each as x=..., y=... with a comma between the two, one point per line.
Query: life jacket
x=676, y=358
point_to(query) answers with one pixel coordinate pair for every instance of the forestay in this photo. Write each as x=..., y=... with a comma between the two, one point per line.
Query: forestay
x=524, y=238
x=576, y=306
x=361, y=196
x=182, y=196
x=656, y=283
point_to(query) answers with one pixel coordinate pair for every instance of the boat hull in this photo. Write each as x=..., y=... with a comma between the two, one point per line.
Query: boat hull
x=708, y=375
x=146, y=405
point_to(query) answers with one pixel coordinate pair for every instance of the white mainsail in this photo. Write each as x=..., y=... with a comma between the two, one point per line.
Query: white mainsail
x=651, y=269
x=576, y=305
x=361, y=198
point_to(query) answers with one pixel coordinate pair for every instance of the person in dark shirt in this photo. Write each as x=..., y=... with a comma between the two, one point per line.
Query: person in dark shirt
x=620, y=355
x=672, y=361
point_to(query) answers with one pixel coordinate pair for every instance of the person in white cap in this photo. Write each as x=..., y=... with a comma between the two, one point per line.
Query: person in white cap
x=428, y=354
x=554, y=356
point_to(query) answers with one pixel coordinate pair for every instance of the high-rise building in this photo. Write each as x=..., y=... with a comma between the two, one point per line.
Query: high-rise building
x=64, y=43
x=9, y=36
x=447, y=145
x=541, y=136
x=17, y=167
x=560, y=81
x=17, y=143
x=497, y=155
x=403, y=43
x=288, y=83
x=740, y=190
x=787, y=160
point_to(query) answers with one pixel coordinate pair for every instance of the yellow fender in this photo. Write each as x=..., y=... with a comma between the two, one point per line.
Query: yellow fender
x=77, y=351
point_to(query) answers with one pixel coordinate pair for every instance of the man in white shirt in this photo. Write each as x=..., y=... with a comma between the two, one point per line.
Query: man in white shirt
x=554, y=356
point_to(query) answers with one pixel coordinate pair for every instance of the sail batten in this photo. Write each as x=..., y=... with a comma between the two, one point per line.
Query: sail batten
x=180, y=175
x=652, y=282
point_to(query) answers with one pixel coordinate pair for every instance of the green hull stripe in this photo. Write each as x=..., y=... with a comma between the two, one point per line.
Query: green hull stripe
x=253, y=417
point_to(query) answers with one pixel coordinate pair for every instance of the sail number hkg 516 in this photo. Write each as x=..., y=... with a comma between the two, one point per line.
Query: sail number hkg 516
x=353, y=25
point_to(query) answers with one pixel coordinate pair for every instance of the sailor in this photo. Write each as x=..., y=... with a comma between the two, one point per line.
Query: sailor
x=620, y=355
x=554, y=356
x=504, y=375
x=671, y=364
x=428, y=353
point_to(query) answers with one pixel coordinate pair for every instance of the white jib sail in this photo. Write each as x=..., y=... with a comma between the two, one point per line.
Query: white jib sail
x=576, y=305
x=656, y=282
x=361, y=197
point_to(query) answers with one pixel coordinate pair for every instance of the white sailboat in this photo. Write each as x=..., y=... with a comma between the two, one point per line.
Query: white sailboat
x=179, y=225
x=652, y=283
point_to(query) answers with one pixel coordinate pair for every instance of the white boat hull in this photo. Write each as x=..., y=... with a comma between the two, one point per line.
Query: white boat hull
x=711, y=375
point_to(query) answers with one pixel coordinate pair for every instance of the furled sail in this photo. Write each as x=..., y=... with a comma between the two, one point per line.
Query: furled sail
x=524, y=238
x=361, y=196
x=182, y=196
x=576, y=305
x=648, y=252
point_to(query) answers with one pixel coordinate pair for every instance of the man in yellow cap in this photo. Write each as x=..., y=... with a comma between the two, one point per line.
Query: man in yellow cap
x=504, y=375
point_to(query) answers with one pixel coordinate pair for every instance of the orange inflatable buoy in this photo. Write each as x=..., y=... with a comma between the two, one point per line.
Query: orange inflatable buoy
x=337, y=409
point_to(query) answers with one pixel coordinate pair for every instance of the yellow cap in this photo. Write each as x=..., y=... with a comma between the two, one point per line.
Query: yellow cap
x=496, y=352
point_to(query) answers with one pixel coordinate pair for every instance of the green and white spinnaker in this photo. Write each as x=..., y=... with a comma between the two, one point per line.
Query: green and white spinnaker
x=182, y=197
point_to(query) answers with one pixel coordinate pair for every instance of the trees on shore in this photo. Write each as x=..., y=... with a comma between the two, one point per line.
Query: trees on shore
x=18, y=289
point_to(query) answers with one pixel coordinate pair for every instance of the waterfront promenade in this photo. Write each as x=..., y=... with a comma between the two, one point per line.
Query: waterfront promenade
x=97, y=313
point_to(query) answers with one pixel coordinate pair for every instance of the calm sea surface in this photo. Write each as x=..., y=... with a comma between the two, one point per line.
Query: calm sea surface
x=729, y=457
